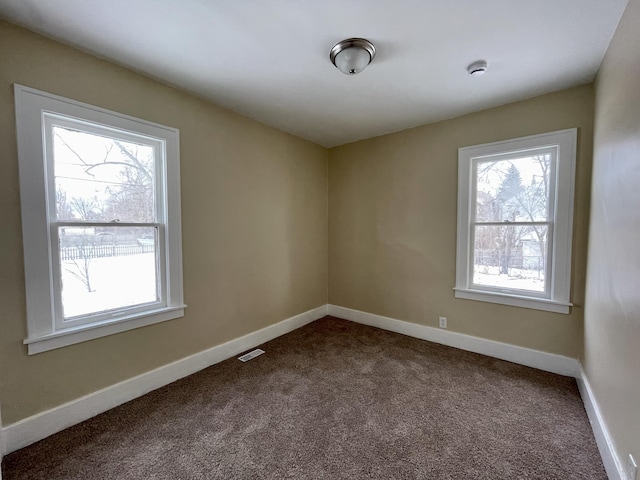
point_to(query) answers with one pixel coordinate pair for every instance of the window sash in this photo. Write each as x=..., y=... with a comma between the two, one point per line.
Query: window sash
x=546, y=293
x=514, y=155
x=506, y=156
x=161, y=255
x=50, y=119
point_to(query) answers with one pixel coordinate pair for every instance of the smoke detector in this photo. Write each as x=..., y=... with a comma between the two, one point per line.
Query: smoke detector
x=477, y=68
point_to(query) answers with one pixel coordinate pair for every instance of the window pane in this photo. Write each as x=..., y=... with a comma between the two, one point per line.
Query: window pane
x=102, y=179
x=107, y=268
x=510, y=257
x=514, y=189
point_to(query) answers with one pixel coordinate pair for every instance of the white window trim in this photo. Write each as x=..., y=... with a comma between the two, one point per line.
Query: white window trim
x=559, y=251
x=42, y=334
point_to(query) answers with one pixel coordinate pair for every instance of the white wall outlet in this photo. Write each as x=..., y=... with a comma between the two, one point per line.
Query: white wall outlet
x=633, y=468
x=443, y=322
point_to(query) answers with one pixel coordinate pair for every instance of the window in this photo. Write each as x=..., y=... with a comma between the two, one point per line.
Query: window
x=100, y=195
x=515, y=213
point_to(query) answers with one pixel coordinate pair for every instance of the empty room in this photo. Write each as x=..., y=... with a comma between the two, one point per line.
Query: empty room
x=320, y=240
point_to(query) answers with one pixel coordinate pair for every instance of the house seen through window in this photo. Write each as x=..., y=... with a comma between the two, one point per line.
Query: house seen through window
x=511, y=228
x=515, y=204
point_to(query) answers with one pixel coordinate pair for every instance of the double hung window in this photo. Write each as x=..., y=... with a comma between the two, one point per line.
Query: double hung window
x=515, y=209
x=101, y=220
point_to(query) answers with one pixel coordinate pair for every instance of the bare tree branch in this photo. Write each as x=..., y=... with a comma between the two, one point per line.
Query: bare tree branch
x=133, y=158
x=89, y=165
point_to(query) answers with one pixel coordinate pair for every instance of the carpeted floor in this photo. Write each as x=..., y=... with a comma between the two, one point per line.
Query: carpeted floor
x=334, y=400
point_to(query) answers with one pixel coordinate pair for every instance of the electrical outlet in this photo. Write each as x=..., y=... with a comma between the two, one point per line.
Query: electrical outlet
x=633, y=468
x=443, y=322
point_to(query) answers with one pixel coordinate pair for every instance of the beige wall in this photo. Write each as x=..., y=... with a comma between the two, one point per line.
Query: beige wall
x=392, y=223
x=254, y=224
x=612, y=315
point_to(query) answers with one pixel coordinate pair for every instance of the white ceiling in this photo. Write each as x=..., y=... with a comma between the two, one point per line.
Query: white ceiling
x=269, y=59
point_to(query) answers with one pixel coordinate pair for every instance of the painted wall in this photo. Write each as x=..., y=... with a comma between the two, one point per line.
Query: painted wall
x=612, y=313
x=392, y=223
x=254, y=222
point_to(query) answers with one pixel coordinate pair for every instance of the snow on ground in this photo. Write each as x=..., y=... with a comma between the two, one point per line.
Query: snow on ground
x=520, y=279
x=119, y=281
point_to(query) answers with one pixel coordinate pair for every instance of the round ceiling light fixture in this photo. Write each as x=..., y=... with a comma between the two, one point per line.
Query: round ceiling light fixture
x=477, y=68
x=352, y=55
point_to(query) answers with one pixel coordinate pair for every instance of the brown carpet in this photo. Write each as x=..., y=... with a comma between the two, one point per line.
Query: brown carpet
x=335, y=399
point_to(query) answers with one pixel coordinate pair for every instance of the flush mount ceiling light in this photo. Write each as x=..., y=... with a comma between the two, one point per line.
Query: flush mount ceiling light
x=477, y=68
x=352, y=55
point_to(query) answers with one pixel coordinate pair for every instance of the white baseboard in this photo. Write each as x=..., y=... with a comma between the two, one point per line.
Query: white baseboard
x=2, y=444
x=612, y=463
x=524, y=356
x=44, y=424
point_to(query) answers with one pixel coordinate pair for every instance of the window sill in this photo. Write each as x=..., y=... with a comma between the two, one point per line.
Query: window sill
x=70, y=336
x=514, y=301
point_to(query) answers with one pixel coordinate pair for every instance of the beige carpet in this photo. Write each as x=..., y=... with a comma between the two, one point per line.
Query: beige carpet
x=335, y=400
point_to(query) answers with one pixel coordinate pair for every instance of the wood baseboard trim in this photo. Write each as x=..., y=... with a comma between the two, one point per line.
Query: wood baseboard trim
x=610, y=458
x=524, y=356
x=44, y=424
